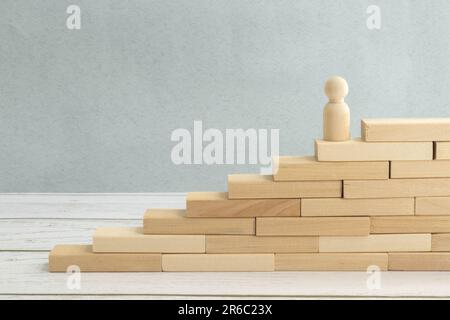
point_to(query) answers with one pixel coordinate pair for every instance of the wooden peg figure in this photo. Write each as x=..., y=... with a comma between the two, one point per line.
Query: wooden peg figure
x=336, y=114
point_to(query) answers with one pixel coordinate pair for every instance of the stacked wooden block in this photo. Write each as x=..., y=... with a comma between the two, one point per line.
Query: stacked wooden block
x=381, y=200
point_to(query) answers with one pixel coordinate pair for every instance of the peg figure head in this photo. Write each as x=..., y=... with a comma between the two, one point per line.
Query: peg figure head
x=336, y=89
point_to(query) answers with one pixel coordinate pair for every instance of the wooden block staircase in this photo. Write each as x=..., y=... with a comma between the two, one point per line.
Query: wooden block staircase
x=382, y=200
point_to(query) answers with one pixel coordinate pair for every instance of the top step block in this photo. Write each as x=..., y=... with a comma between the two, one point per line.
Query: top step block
x=437, y=129
x=359, y=150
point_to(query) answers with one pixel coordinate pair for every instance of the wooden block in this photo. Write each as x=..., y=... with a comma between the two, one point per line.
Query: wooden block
x=341, y=226
x=170, y=221
x=396, y=188
x=442, y=150
x=437, y=129
x=424, y=261
x=357, y=207
x=63, y=256
x=329, y=261
x=434, y=206
x=358, y=150
x=309, y=169
x=414, y=224
x=217, y=205
x=440, y=242
x=376, y=243
x=134, y=240
x=420, y=169
x=253, y=186
x=217, y=262
x=252, y=244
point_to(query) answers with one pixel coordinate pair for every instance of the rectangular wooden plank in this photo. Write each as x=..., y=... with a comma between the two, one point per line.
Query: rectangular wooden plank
x=415, y=261
x=434, y=206
x=414, y=224
x=357, y=207
x=440, y=242
x=217, y=205
x=173, y=221
x=442, y=150
x=311, y=226
x=398, y=129
x=420, y=169
x=252, y=244
x=397, y=188
x=329, y=261
x=358, y=150
x=63, y=256
x=289, y=168
x=217, y=262
x=376, y=243
x=253, y=186
x=134, y=240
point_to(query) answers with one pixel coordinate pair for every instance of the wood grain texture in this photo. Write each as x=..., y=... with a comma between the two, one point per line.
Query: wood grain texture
x=309, y=169
x=357, y=207
x=217, y=262
x=415, y=261
x=434, y=206
x=396, y=188
x=172, y=221
x=397, y=129
x=442, y=150
x=376, y=243
x=415, y=224
x=134, y=240
x=252, y=244
x=63, y=256
x=420, y=169
x=358, y=150
x=248, y=186
x=311, y=226
x=217, y=205
x=440, y=242
x=329, y=261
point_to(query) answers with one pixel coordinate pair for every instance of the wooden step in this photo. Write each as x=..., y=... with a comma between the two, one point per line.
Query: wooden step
x=414, y=224
x=415, y=261
x=253, y=186
x=397, y=129
x=420, y=169
x=217, y=205
x=171, y=221
x=309, y=169
x=442, y=150
x=358, y=150
x=434, y=206
x=63, y=256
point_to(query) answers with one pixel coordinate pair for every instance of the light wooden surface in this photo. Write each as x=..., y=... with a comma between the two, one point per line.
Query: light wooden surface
x=376, y=243
x=217, y=205
x=433, y=206
x=440, y=242
x=420, y=169
x=313, y=226
x=83, y=257
x=253, y=186
x=330, y=261
x=398, y=129
x=174, y=221
x=358, y=150
x=442, y=150
x=419, y=261
x=397, y=188
x=309, y=169
x=249, y=244
x=123, y=239
x=357, y=207
x=31, y=224
x=336, y=113
x=415, y=224
x=218, y=262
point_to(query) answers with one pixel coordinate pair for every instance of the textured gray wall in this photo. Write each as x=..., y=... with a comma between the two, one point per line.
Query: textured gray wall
x=92, y=110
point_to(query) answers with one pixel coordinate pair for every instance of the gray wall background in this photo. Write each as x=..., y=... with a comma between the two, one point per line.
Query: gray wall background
x=92, y=110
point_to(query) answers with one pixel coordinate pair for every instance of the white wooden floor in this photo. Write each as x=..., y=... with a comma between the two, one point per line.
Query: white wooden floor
x=31, y=224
